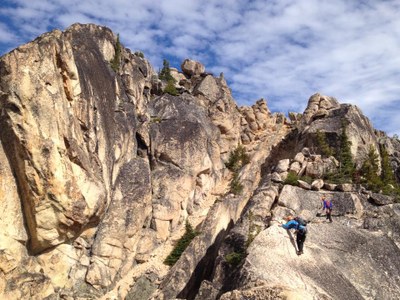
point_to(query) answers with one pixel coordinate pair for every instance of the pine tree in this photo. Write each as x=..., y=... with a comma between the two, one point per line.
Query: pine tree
x=116, y=61
x=165, y=73
x=344, y=156
x=387, y=174
x=370, y=169
x=326, y=150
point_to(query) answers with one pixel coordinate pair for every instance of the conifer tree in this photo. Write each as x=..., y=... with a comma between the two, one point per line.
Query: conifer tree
x=370, y=169
x=165, y=73
x=387, y=174
x=116, y=61
x=344, y=156
x=326, y=150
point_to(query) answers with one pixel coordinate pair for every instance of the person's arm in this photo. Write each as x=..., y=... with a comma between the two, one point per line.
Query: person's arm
x=289, y=224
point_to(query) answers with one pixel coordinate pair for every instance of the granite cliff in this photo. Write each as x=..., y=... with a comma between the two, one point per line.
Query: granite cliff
x=100, y=170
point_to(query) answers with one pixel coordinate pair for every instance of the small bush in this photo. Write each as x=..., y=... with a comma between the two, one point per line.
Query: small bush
x=307, y=179
x=116, y=61
x=171, y=89
x=254, y=230
x=181, y=245
x=237, y=159
x=291, y=178
x=139, y=53
x=234, y=258
x=235, y=186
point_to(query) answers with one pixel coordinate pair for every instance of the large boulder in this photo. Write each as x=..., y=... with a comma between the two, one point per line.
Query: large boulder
x=191, y=67
x=299, y=200
x=215, y=96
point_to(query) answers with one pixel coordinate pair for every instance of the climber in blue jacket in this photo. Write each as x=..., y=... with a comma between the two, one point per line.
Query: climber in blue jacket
x=301, y=232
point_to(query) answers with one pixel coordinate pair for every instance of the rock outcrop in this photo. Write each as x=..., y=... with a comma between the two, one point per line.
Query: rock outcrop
x=100, y=169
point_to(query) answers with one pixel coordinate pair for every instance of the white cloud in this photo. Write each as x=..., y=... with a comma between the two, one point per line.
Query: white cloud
x=281, y=50
x=6, y=35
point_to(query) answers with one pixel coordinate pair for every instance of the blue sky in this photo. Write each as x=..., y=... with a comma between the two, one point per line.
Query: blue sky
x=280, y=50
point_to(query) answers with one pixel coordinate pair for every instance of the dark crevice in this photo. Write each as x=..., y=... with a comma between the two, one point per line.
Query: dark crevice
x=164, y=158
x=13, y=107
x=142, y=148
x=205, y=268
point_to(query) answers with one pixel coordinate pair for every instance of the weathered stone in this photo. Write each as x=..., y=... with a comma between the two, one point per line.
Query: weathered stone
x=299, y=157
x=284, y=175
x=315, y=169
x=191, y=67
x=299, y=199
x=317, y=184
x=379, y=199
x=162, y=229
x=295, y=167
x=176, y=75
x=304, y=185
x=329, y=186
x=306, y=152
x=207, y=291
x=142, y=289
x=345, y=187
x=275, y=177
x=283, y=165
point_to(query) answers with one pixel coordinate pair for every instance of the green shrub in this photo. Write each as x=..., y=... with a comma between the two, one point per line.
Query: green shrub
x=139, y=53
x=116, y=61
x=235, y=258
x=181, y=245
x=291, y=178
x=235, y=186
x=171, y=89
x=307, y=179
x=254, y=230
x=237, y=159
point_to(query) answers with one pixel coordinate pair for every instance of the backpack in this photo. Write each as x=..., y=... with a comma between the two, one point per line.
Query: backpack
x=301, y=221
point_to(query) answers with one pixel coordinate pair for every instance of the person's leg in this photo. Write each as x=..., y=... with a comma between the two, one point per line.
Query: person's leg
x=330, y=215
x=300, y=242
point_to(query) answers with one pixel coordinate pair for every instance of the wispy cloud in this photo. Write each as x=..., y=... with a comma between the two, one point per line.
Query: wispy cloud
x=281, y=50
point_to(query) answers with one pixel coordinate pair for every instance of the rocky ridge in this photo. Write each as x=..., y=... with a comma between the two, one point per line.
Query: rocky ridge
x=100, y=170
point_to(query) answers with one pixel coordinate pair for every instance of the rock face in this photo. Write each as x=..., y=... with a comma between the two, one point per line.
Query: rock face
x=100, y=170
x=325, y=114
x=325, y=271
